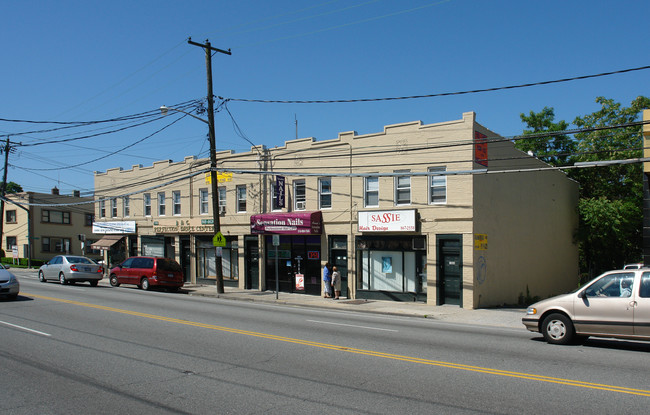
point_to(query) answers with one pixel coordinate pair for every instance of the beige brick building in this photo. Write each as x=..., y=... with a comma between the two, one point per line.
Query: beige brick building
x=53, y=222
x=446, y=213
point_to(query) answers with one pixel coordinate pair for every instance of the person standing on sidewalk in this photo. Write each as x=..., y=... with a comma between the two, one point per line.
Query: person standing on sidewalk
x=336, y=282
x=327, y=280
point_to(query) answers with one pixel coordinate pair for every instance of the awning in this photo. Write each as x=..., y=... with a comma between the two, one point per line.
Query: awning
x=291, y=223
x=106, y=242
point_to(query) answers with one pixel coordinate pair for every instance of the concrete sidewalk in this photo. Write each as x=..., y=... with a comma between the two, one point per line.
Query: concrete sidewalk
x=498, y=317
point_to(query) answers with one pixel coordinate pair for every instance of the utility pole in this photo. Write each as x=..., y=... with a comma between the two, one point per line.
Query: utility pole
x=213, y=152
x=3, y=191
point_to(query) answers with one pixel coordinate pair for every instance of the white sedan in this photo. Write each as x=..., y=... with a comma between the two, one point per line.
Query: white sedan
x=9, y=285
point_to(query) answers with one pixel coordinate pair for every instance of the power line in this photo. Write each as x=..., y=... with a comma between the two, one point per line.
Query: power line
x=442, y=94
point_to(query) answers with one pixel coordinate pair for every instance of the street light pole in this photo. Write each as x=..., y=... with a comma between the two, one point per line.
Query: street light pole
x=213, y=152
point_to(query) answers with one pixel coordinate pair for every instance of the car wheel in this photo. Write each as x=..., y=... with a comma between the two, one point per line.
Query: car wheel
x=62, y=279
x=113, y=281
x=144, y=283
x=93, y=283
x=41, y=276
x=558, y=329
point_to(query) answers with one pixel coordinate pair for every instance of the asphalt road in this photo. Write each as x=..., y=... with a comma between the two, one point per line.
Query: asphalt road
x=82, y=349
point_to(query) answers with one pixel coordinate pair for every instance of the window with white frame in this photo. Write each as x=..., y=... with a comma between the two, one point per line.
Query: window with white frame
x=299, y=195
x=437, y=186
x=126, y=205
x=176, y=201
x=102, y=208
x=371, y=191
x=222, y=200
x=203, y=202
x=325, y=192
x=10, y=216
x=114, y=208
x=161, y=204
x=402, y=188
x=147, y=204
x=241, y=198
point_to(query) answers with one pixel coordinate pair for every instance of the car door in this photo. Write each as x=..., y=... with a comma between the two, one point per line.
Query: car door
x=125, y=269
x=642, y=309
x=53, y=267
x=601, y=308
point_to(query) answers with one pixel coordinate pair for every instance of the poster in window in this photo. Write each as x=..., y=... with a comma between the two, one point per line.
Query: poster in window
x=386, y=264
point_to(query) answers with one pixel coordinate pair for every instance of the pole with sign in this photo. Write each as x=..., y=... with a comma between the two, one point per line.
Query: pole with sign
x=276, y=243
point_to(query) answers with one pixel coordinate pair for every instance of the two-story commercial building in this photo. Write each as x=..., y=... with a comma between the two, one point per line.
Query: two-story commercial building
x=445, y=213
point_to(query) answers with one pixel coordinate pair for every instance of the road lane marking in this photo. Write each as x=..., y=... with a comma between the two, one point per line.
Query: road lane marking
x=350, y=325
x=372, y=353
x=25, y=328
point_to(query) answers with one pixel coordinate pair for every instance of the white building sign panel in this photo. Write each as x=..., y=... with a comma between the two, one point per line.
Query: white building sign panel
x=387, y=221
x=114, y=227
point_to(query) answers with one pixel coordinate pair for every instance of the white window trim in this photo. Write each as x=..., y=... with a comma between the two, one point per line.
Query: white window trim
x=365, y=191
x=302, y=203
x=396, y=188
x=239, y=199
x=126, y=207
x=321, y=193
x=431, y=178
x=162, y=204
x=176, y=193
x=201, y=202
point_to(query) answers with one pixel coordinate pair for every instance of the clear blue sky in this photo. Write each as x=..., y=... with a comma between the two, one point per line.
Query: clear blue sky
x=89, y=60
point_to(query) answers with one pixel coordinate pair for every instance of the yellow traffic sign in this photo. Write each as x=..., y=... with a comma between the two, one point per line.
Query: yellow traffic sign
x=219, y=240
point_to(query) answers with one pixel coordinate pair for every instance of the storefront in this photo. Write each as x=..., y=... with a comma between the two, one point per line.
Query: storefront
x=206, y=269
x=292, y=243
x=391, y=257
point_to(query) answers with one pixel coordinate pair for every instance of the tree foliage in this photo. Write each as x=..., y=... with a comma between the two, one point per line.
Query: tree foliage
x=13, y=187
x=611, y=197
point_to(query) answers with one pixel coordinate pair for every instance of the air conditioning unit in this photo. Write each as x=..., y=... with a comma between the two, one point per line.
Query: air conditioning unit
x=222, y=210
x=420, y=243
x=300, y=205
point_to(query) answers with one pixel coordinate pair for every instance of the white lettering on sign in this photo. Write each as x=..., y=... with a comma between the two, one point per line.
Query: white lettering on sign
x=387, y=221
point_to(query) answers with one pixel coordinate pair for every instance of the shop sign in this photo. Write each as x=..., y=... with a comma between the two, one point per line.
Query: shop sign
x=480, y=241
x=183, y=226
x=114, y=227
x=293, y=223
x=300, y=282
x=387, y=221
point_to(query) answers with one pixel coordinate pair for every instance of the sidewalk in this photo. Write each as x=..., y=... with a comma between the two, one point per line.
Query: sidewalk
x=496, y=317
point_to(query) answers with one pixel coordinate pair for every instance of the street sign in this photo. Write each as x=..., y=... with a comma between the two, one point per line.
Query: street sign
x=219, y=240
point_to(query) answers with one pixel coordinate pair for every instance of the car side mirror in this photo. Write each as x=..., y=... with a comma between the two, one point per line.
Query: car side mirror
x=582, y=294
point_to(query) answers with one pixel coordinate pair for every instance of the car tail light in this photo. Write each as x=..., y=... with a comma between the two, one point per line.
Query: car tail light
x=73, y=268
x=100, y=270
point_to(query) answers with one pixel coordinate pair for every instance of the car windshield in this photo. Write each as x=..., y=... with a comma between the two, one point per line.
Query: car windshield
x=165, y=264
x=79, y=260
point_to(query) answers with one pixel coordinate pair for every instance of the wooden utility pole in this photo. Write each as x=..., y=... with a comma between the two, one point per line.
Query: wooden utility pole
x=213, y=152
x=3, y=191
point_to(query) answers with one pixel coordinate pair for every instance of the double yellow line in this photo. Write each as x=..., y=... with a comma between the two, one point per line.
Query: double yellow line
x=449, y=365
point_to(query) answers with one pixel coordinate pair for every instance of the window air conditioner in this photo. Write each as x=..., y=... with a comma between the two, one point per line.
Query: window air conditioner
x=300, y=205
x=222, y=210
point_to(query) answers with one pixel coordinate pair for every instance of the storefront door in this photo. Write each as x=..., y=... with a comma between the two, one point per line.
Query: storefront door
x=450, y=269
x=252, y=256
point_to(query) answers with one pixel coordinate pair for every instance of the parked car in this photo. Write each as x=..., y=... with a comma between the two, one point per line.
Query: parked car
x=68, y=269
x=148, y=272
x=9, y=285
x=615, y=304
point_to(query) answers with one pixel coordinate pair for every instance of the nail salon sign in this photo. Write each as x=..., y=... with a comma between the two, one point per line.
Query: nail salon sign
x=387, y=221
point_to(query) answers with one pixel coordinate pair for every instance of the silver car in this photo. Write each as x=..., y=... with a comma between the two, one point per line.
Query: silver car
x=9, y=285
x=68, y=269
x=614, y=304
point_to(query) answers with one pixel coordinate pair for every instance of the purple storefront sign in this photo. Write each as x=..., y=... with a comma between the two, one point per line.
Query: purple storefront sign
x=294, y=223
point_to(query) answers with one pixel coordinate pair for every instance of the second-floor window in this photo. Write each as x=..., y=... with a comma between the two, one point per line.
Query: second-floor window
x=147, y=204
x=102, y=208
x=161, y=204
x=176, y=200
x=10, y=216
x=241, y=198
x=299, y=195
x=222, y=200
x=402, y=189
x=89, y=218
x=55, y=216
x=371, y=192
x=437, y=186
x=325, y=192
x=113, y=208
x=127, y=206
x=203, y=202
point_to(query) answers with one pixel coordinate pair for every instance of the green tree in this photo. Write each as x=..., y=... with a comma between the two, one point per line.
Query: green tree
x=611, y=197
x=13, y=187
x=555, y=149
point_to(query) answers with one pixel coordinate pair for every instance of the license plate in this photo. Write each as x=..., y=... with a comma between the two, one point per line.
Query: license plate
x=86, y=269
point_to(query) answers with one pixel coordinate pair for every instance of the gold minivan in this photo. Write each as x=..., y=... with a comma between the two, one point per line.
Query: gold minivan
x=614, y=304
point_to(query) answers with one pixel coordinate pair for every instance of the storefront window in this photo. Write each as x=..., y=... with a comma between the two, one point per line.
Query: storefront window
x=207, y=263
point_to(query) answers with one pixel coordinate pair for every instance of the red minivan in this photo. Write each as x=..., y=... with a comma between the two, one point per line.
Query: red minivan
x=147, y=272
